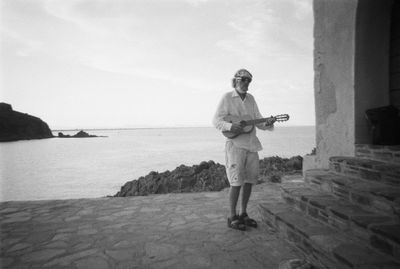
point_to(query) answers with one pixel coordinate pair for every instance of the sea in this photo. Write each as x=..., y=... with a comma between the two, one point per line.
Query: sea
x=71, y=168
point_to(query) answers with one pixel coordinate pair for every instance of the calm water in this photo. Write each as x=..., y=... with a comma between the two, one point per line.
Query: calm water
x=59, y=168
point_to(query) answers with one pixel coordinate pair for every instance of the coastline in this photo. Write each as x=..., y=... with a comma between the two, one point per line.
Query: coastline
x=207, y=176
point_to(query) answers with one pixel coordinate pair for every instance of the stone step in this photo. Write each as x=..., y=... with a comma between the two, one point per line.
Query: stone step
x=371, y=170
x=375, y=196
x=379, y=231
x=390, y=154
x=324, y=246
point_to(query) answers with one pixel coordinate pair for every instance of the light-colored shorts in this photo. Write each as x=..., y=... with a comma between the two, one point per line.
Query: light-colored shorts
x=241, y=165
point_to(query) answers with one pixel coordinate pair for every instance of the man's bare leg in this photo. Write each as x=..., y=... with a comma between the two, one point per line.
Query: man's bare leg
x=234, y=192
x=245, y=196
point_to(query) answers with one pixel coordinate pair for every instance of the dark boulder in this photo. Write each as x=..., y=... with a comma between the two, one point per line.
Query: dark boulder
x=15, y=125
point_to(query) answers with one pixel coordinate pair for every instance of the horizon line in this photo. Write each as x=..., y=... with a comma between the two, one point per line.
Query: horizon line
x=151, y=127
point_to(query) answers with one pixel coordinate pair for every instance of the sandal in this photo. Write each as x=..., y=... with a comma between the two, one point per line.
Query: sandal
x=244, y=218
x=236, y=224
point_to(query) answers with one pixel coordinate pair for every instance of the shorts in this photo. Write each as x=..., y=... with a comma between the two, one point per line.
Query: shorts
x=242, y=166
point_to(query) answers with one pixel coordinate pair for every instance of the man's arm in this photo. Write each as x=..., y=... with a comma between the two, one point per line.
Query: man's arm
x=222, y=111
x=269, y=125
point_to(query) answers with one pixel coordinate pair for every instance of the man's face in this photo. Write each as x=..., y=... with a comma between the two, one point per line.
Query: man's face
x=242, y=84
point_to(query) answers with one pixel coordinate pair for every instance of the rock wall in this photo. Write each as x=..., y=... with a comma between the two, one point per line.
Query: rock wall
x=15, y=125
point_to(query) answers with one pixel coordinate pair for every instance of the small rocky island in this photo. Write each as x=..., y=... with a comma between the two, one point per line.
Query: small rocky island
x=80, y=134
x=16, y=125
x=206, y=176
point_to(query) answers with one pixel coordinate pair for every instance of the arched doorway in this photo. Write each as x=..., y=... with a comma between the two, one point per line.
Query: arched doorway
x=376, y=63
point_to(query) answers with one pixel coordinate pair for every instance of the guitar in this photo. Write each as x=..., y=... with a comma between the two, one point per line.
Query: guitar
x=248, y=124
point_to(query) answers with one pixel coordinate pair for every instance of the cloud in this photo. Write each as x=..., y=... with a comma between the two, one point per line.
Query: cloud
x=23, y=46
x=269, y=29
x=185, y=83
x=247, y=25
x=181, y=50
x=303, y=9
x=121, y=40
x=120, y=37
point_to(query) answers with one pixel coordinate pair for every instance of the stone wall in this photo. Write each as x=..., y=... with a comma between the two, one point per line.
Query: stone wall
x=334, y=46
x=351, y=72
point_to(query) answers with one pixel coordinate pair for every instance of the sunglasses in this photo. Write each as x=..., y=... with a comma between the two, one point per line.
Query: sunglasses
x=244, y=79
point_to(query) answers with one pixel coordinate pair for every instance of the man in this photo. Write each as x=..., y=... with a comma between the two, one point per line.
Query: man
x=241, y=152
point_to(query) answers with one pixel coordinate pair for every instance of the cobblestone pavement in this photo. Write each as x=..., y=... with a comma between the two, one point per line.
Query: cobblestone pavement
x=185, y=230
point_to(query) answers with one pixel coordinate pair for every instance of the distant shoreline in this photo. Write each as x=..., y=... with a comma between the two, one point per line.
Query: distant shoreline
x=144, y=128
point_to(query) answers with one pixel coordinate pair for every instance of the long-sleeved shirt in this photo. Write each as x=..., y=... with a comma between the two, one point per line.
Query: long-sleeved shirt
x=232, y=104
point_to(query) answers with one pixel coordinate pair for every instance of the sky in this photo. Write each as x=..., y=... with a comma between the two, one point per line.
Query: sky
x=153, y=63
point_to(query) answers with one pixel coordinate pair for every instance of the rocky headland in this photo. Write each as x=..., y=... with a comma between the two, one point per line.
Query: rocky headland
x=80, y=134
x=16, y=125
x=206, y=176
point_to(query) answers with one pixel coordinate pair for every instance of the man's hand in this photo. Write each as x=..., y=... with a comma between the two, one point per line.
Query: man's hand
x=270, y=121
x=236, y=128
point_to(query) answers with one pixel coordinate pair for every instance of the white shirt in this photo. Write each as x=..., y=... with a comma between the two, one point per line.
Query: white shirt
x=232, y=104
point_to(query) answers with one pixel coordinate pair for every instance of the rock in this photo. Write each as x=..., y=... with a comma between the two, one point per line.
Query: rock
x=80, y=134
x=83, y=134
x=15, y=125
x=60, y=134
x=207, y=176
x=271, y=164
x=274, y=168
x=5, y=107
x=202, y=166
x=295, y=163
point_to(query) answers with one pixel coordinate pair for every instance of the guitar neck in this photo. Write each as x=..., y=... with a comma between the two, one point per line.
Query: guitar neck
x=257, y=121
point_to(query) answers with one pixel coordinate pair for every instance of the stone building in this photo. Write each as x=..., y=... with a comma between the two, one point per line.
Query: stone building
x=345, y=212
x=357, y=67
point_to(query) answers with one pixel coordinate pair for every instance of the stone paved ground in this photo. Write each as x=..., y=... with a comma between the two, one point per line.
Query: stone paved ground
x=159, y=231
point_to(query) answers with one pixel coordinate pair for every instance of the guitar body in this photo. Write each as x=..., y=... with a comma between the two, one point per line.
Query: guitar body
x=248, y=123
x=238, y=120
